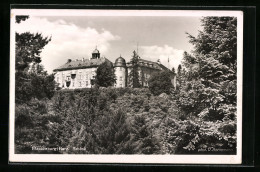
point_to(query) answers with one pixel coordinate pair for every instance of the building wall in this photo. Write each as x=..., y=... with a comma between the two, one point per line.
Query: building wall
x=144, y=75
x=79, y=78
x=121, y=76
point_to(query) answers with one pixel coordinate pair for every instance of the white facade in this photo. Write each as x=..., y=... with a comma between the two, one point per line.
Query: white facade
x=77, y=78
x=120, y=73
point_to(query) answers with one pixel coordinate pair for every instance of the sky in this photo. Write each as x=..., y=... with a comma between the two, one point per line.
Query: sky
x=75, y=37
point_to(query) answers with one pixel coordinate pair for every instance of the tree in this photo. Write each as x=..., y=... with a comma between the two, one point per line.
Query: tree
x=219, y=39
x=173, y=71
x=105, y=75
x=31, y=85
x=143, y=141
x=179, y=69
x=214, y=61
x=20, y=18
x=112, y=133
x=28, y=49
x=133, y=74
x=160, y=83
x=208, y=92
x=31, y=79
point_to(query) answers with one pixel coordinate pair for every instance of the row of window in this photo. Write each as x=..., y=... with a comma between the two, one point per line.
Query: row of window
x=87, y=84
x=80, y=84
x=147, y=64
x=86, y=76
x=68, y=78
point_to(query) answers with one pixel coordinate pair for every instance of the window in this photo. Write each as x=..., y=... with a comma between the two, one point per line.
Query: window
x=57, y=79
x=80, y=76
x=73, y=84
x=121, y=78
x=121, y=85
x=86, y=83
x=79, y=84
x=120, y=68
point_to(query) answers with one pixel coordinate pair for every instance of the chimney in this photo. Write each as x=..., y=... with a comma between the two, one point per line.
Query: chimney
x=69, y=60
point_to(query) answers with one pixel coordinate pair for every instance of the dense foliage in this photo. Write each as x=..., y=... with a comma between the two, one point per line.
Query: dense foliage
x=160, y=83
x=30, y=85
x=105, y=75
x=88, y=119
x=207, y=87
x=31, y=81
x=28, y=48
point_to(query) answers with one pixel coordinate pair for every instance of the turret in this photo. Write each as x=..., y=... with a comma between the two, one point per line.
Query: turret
x=120, y=72
x=95, y=54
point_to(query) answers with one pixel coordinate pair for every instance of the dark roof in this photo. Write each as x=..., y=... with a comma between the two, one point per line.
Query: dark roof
x=95, y=51
x=81, y=64
x=120, y=61
x=149, y=64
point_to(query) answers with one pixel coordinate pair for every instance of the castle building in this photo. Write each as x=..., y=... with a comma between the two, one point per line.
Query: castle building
x=81, y=73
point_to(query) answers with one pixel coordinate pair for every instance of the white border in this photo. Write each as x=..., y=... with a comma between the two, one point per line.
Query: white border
x=169, y=159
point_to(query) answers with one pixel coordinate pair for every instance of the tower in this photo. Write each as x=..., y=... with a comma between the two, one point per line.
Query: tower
x=120, y=72
x=95, y=54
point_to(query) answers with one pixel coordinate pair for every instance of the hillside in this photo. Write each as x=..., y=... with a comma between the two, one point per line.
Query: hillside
x=116, y=121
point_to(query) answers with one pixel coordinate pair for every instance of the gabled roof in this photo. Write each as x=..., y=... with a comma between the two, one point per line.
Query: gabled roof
x=81, y=64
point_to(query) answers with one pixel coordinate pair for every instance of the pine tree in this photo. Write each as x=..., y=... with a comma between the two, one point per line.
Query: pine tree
x=112, y=133
x=209, y=91
x=133, y=74
x=179, y=69
x=28, y=49
x=143, y=141
x=214, y=61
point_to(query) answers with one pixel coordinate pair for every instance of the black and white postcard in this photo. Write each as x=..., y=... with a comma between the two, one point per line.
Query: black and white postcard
x=126, y=86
